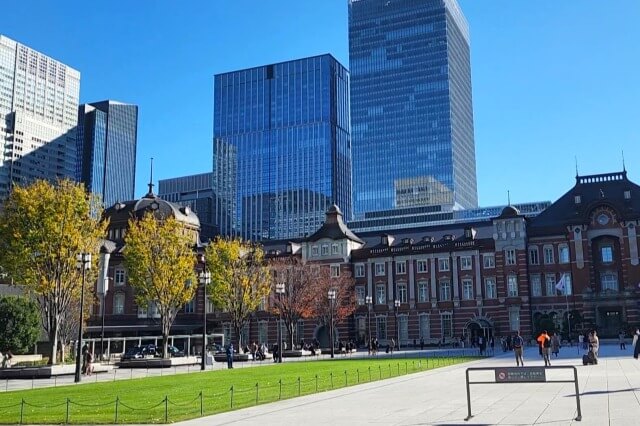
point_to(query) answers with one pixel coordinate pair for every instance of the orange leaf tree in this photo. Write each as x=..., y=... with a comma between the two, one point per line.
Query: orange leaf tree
x=345, y=302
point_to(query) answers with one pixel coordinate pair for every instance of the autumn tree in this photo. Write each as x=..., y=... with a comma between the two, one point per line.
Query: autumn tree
x=43, y=227
x=160, y=264
x=297, y=301
x=240, y=280
x=344, y=304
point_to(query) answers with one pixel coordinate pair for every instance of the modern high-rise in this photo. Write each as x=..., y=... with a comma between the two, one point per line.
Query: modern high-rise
x=107, y=141
x=195, y=192
x=282, y=147
x=411, y=108
x=38, y=116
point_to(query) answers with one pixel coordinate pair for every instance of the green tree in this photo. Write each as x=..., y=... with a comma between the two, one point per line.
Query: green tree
x=240, y=280
x=43, y=227
x=19, y=322
x=160, y=263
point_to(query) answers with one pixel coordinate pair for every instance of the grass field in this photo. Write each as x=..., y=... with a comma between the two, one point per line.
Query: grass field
x=185, y=396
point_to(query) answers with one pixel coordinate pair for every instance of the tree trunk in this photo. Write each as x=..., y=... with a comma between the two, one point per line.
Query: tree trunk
x=165, y=344
x=290, y=331
x=53, y=339
x=238, y=336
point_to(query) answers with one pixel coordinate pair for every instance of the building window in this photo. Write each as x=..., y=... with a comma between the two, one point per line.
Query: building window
x=447, y=325
x=443, y=265
x=381, y=295
x=360, y=295
x=422, y=266
x=381, y=325
x=334, y=249
x=445, y=290
x=512, y=285
x=314, y=251
x=490, y=286
x=425, y=329
x=465, y=263
x=211, y=307
x=488, y=261
x=467, y=289
x=606, y=254
x=189, y=307
x=335, y=271
x=401, y=267
x=359, y=272
x=120, y=277
x=379, y=269
x=627, y=195
x=514, y=319
x=262, y=332
x=550, y=281
x=402, y=293
x=563, y=254
x=533, y=256
x=403, y=326
x=118, y=304
x=567, y=284
x=325, y=249
x=142, y=311
x=577, y=199
x=536, y=286
x=510, y=256
x=548, y=255
x=423, y=291
x=609, y=281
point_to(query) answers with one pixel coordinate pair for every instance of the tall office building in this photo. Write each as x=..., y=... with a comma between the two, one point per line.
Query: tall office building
x=195, y=192
x=107, y=141
x=411, y=109
x=38, y=116
x=282, y=148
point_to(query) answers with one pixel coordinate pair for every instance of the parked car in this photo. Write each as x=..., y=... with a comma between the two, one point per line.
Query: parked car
x=150, y=351
x=175, y=352
x=215, y=348
x=133, y=353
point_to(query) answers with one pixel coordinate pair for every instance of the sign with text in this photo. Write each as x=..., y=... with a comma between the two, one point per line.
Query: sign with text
x=520, y=374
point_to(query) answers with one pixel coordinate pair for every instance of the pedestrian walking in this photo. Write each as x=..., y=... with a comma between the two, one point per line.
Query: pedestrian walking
x=518, y=347
x=594, y=344
x=545, y=344
x=623, y=345
x=555, y=344
x=230, y=355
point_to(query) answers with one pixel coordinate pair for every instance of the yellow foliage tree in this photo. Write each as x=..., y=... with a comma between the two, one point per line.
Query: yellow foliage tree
x=43, y=227
x=240, y=280
x=160, y=264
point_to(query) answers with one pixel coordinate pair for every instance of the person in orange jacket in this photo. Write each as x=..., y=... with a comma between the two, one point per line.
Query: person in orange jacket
x=545, y=344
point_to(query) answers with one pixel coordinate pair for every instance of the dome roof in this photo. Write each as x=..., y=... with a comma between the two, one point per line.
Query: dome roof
x=123, y=211
x=510, y=211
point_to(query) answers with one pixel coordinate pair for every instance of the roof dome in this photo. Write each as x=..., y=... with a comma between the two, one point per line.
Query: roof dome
x=123, y=211
x=510, y=211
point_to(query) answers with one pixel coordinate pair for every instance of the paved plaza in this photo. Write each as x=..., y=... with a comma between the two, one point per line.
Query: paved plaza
x=609, y=393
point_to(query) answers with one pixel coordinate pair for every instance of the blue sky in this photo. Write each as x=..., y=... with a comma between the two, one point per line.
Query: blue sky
x=552, y=80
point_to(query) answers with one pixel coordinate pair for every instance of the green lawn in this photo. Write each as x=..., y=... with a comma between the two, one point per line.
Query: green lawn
x=192, y=395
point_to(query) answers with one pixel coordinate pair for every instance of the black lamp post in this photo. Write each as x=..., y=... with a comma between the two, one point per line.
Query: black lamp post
x=280, y=289
x=205, y=280
x=369, y=301
x=396, y=304
x=331, y=294
x=83, y=262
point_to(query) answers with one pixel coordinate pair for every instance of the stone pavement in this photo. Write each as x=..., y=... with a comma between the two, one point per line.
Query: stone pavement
x=610, y=395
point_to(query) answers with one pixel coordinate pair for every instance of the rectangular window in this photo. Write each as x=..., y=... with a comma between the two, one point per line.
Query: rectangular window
x=536, y=286
x=189, y=307
x=490, y=286
x=325, y=249
x=360, y=296
x=314, y=251
x=381, y=326
x=335, y=271
x=262, y=332
x=563, y=254
x=359, y=270
x=548, y=255
x=609, y=281
x=381, y=295
x=488, y=261
x=447, y=325
x=467, y=289
x=423, y=291
x=567, y=284
x=533, y=256
x=422, y=266
x=402, y=293
x=403, y=325
x=118, y=304
x=512, y=285
x=606, y=254
x=401, y=267
x=379, y=269
x=334, y=249
x=119, y=277
x=514, y=319
x=443, y=265
x=425, y=329
x=550, y=281
x=445, y=290
x=510, y=257
x=465, y=263
x=142, y=311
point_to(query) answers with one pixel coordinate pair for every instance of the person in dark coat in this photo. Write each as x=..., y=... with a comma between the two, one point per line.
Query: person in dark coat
x=230, y=355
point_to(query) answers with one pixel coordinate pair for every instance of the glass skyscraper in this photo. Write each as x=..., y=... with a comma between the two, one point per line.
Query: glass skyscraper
x=107, y=142
x=282, y=148
x=411, y=108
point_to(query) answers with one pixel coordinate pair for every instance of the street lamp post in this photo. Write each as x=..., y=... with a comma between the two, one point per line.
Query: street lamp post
x=331, y=294
x=280, y=288
x=396, y=304
x=369, y=301
x=83, y=262
x=205, y=280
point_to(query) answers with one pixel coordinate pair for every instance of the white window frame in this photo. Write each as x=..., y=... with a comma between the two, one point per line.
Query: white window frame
x=536, y=285
x=534, y=255
x=119, y=277
x=425, y=326
x=491, y=288
x=380, y=269
x=324, y=250
x=608, y=285
x=403, y=327
x=335, y=271
x=564, y=256
x=466, y=263
x=550, y=284
x=422, y=266
x=488, y=261
x=119, y=308
x=423, y=291
x=443, y=264
x=401, y=267
x=360, y=295
x=359, y=270
x=467, y=289
x=381, y=328
x=381, y=294
x=402, y=292
x=510, y=257
x=602, y=254
x=512, y=285
x=446, y=318
x=445, y=290
x=335, y=249
x=549, y=258
x=314, y=251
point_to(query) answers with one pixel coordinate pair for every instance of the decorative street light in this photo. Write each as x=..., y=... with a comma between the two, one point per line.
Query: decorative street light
x=331, y=294
x=205, y=280
x=103, y=287
x=280, y=289
x=396, y=303
x=83, y=262
x=369, y=301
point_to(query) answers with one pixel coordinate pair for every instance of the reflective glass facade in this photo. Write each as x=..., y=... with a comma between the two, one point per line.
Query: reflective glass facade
x=282, y=148
x=107, y=141
x=411, y=108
